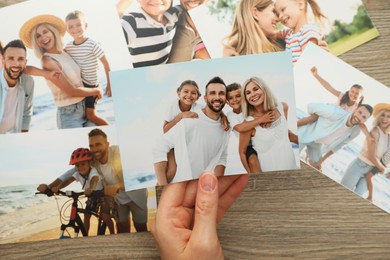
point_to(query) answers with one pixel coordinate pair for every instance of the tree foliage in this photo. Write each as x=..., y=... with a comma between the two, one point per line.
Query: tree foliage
x=360, y=22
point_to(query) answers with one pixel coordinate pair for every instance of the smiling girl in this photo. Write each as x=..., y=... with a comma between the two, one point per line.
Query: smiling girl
x=294, y=15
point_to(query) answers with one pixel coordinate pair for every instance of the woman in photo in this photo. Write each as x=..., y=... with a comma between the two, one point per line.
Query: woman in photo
x=44, y=34
x=271, y=140
x=373, y=153
x=253, y=30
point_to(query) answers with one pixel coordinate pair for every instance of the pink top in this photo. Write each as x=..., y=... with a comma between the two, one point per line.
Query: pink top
x=350, y=109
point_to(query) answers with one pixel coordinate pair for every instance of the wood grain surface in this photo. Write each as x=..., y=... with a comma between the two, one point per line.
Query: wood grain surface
x=290, y=214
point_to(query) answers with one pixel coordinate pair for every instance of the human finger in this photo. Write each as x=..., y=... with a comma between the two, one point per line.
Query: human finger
x=231, y=193
x=206, y=207
x=172, y=195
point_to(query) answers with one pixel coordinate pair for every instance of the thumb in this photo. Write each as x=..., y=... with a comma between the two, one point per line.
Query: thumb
x=206, y=207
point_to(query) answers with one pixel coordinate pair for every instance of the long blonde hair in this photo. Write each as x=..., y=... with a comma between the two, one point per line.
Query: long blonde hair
x=318, y=14
x=270, y=101
x=247, y=37
x=40, y=51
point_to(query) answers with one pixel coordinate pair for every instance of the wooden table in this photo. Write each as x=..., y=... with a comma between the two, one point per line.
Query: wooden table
x=294, y=214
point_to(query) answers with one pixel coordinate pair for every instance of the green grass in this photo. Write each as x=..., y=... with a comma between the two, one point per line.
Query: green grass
x=347, y=43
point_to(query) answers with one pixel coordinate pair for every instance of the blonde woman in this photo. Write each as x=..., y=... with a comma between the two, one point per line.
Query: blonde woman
x=271, y=141
x=253, y=29
x=44, y=34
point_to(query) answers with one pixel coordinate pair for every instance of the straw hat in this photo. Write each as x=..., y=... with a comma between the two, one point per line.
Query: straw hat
x=379, y=107
x=27, y=27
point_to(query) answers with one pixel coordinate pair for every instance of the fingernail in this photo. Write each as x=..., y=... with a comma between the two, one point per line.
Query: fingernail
x=208, y=182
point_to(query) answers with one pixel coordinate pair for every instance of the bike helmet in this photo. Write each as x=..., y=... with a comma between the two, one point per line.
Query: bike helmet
x=80, y=155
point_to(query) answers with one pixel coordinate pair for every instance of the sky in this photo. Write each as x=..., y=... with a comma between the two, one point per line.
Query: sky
x=339, y=74
x=40, y=157
x=103, y=26
x=334, y=9
x=146, y=93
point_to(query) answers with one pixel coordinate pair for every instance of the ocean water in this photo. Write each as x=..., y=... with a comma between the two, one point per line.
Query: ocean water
x=15, y=198
x=44, y=111
x=136, y=181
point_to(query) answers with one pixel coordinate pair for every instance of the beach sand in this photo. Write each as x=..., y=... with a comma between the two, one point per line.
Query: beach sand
x=42, y=222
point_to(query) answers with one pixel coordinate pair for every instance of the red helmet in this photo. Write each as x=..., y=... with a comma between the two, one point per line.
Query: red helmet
x=80, y=155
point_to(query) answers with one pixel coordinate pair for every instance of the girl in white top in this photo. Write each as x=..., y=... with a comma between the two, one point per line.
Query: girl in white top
x=271, y=141
x=183, y=107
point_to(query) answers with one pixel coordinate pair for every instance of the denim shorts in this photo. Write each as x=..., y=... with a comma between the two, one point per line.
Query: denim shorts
x=355, y=176
x=72, y=116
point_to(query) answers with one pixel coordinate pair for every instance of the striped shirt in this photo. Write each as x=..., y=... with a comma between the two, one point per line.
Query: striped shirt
x=86, y=55
x=149, y=42
x=296, y=41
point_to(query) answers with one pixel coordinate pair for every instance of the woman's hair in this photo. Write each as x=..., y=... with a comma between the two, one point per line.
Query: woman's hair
x=270, y=101
x=40, y=51
x=1, y=49
x=377, y=119
x=247, y=37
x=189, y=82
x=318, y=14
x=345, y=98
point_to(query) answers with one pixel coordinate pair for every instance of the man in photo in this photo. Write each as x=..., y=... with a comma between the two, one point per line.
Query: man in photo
x=199, y=144
x=334, y=128
x=16, y=90
x=108, y=164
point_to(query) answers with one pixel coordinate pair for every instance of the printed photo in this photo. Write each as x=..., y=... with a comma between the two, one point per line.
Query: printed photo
x=177, y=121
x=57, y=75
x=47, y=175
x=260, y=26
x=162, y=33
x=344, y=124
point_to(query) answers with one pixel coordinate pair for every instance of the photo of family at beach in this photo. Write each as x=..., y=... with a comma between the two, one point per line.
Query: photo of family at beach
x=61, y=55
x=82, y=160
x=206, y=115
x=260, y=26
x=344, y=124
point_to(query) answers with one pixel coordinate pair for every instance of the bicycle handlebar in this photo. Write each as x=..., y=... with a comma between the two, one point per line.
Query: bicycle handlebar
x=73, y=194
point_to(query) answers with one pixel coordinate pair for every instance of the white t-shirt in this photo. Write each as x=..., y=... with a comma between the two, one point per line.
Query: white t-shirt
x=199, y=145
x=327, y=140
x=234, y=119
x=109, y=178
x=86, y=183
x=7, y=123
x=174, y=110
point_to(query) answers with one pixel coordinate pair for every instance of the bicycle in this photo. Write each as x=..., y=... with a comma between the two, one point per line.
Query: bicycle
x=75, y=220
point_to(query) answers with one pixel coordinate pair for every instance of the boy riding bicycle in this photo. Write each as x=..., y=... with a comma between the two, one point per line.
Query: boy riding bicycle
x=90, y=180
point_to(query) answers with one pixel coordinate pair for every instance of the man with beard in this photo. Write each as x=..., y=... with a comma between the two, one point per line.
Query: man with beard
x=334, y=128
x=199, y=144
x=16, y=90
x=106, y=160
